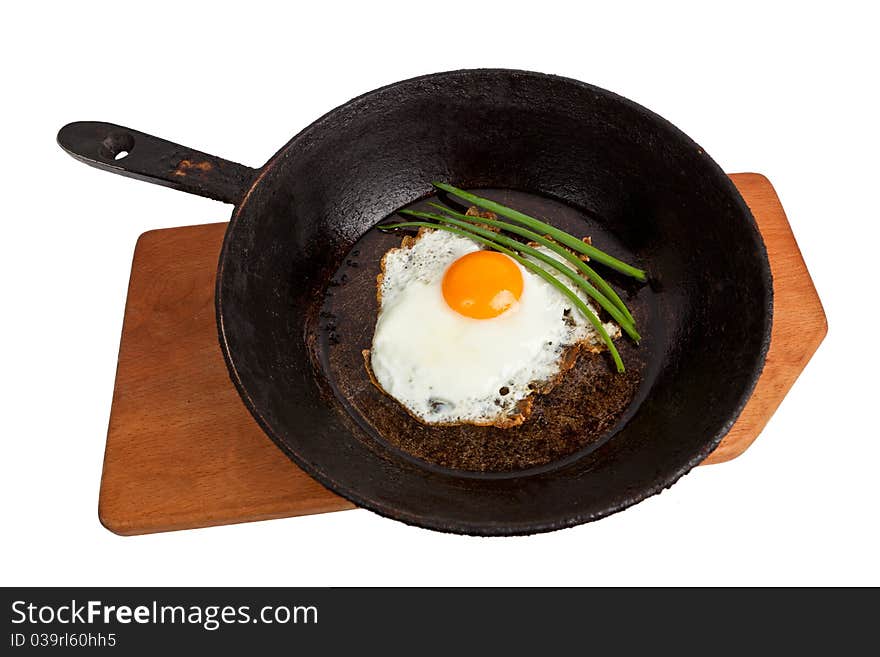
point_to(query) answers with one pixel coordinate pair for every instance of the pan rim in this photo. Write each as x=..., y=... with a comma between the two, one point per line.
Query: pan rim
x=504, y=527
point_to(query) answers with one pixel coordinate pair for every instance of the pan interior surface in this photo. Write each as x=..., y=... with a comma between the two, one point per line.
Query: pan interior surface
x=583, y=409
x=633, y=178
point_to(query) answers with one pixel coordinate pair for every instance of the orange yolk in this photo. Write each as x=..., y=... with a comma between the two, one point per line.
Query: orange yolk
x=482, y=284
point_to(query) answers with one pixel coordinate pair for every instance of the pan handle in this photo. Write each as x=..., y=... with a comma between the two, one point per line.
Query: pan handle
x=138, y=155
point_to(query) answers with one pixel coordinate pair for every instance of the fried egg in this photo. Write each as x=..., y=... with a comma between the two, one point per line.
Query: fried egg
x=466, y=335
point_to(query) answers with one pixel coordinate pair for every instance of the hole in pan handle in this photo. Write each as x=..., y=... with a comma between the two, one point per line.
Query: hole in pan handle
x=138, y=155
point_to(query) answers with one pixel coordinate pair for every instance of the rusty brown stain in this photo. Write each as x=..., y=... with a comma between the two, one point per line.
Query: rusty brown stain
x=185, y=166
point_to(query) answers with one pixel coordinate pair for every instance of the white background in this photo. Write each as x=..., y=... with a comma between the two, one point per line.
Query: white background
x=791, y=93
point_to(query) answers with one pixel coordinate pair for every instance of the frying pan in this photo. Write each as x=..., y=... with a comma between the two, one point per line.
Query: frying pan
x=643, y=190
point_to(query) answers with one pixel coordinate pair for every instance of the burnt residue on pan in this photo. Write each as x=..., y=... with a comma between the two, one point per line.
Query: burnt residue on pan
x=581, y=411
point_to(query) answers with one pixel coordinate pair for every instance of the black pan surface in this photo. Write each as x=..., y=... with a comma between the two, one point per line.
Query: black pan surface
x=641, y=188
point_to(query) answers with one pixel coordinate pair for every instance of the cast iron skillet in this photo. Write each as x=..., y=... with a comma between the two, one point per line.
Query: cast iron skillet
x=648, y=189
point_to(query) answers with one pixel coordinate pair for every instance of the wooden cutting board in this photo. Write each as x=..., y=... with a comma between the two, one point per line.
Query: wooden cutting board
x=183, y=452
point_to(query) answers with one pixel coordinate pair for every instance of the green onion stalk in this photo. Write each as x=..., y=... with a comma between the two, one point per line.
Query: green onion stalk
x=531, y=266
x=560, y=236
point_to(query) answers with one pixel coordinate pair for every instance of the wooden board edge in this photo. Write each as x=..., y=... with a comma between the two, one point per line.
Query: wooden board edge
x=233, y=515
x=122, y=527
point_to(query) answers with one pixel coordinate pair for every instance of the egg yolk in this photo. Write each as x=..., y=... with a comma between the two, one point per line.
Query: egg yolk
x=482, y=284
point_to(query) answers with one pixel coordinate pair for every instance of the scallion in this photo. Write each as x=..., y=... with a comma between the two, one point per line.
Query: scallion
x=588, y=271
x=627, y=325
x=547, y=276
x=559, y=235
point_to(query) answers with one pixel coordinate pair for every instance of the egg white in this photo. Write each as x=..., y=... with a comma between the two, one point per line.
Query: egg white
x=445, y=368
